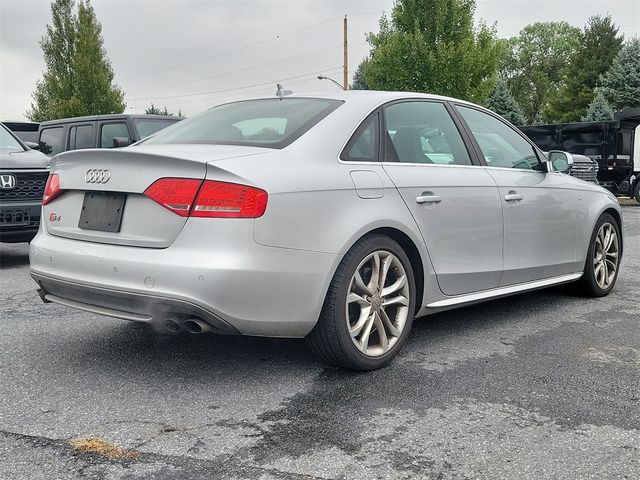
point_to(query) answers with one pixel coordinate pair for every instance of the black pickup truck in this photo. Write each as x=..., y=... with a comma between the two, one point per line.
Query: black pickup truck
x=614, y=145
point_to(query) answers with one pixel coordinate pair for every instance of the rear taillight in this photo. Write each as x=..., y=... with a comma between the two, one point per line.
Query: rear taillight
x=209, y=198
x=51, y=189
x=229, y=200
x=175, y=194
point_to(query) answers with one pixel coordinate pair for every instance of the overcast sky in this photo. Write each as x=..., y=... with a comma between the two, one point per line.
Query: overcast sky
x=191, y=54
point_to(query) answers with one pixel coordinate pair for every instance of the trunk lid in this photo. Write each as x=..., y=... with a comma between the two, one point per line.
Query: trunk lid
x=130, y=171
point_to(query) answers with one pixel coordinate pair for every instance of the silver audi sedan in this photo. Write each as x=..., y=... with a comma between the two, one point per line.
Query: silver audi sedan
x=338, y=218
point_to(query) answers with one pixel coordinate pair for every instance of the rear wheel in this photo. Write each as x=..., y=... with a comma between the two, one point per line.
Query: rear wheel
x=636, y=193
x=369, y=308
x=603, y=258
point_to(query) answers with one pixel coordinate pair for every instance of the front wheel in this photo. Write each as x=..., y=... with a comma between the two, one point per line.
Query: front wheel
x=603, y=258
x=636, y=193
x=369, y=308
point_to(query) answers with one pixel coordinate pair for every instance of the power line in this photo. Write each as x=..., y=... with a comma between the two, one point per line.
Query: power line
x=251, y=45
x=251, y=90
x=239, y=70
x=235, y=88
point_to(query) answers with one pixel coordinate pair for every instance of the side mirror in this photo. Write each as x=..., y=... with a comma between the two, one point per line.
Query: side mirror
x=120, y=142
x=32, y=145
x=559, y=161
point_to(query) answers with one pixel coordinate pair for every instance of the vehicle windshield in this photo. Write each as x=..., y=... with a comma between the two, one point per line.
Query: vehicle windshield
x=8, y=144
x=148, y=127
x=271, y=123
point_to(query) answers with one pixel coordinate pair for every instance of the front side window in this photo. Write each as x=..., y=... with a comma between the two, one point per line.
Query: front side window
x=501, y=145
x=110, y=131
x=80, y=137
x=271, y=123
x=8, y=144
x=363, y=146
x=423, y=132
x=52, y=141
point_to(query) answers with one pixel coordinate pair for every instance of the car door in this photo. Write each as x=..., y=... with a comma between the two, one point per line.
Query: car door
x=539, y=212
x=454, y=202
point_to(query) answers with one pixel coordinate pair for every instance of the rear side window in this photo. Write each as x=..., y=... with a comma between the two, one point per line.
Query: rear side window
x=364, y=145
x=81, y=136
x=271, y=123
x=52, y=140
x=109, y=131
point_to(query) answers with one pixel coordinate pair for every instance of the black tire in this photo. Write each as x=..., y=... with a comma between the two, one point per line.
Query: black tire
x=636, y=192
x=587, y=285
x=330, y=340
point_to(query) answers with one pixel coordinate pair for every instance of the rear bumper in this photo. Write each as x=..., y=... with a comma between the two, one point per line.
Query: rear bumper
x=126, y=305
x=222, y=277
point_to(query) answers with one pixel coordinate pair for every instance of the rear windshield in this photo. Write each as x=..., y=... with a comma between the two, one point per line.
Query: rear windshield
x=8, y=144
x=271, y=123
x=148, y=127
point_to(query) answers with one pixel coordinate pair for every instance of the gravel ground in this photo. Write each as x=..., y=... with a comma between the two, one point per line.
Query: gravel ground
x=543, y=385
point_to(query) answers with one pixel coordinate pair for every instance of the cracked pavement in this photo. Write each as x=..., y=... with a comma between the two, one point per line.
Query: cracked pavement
x=541, y=385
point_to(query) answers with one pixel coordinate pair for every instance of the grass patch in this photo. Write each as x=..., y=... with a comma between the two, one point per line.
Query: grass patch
x=102, y=447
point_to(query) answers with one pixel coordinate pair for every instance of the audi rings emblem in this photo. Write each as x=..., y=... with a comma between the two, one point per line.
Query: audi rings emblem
x=97, y=175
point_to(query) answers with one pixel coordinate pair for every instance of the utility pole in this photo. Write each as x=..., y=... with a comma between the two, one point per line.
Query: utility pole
x=346, y=58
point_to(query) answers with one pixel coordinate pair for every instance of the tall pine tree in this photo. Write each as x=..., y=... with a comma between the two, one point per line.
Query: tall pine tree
x=502, y=102
x=599, y=44
x=599, y=110
x=621, y=84
x=78, y=79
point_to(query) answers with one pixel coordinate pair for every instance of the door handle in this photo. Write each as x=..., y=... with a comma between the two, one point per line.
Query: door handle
x=428, y=197
x=513, y=196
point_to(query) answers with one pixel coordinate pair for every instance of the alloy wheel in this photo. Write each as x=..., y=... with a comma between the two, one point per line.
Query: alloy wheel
x=377, y=304
x=606, y=255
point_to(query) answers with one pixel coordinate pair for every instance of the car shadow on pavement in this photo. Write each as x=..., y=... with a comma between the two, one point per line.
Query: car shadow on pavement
x=137, y=351
x=14, y=255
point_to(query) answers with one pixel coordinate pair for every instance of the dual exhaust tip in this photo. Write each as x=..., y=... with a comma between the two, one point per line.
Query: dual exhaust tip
x=191, y=325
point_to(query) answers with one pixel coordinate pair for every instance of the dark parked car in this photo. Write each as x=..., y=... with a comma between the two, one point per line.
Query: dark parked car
x=98, y=131
x=23, y=175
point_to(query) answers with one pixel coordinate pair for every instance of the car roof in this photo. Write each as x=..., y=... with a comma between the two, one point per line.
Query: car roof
x=112, y=116
x=363, y=97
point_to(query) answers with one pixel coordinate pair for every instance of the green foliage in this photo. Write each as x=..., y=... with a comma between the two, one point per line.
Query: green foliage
x=432, y=46
x=621, y=84
x=502, y=102
x=599, y=44
x=359, y=82
x=534, y=64
x=78, y=79
x=153, y=110
x=599, y=110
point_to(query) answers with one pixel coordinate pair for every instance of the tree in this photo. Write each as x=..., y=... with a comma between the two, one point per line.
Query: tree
x=359, y=82
x=78, y=79
x=599, y=110
x=153, y=110
x=534, y=64
x=621, y=84
x=502, y=102
x=599, y=44
x=432, y=46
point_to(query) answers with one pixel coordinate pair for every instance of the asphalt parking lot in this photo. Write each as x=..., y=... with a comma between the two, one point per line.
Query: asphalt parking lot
x=543, y=385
